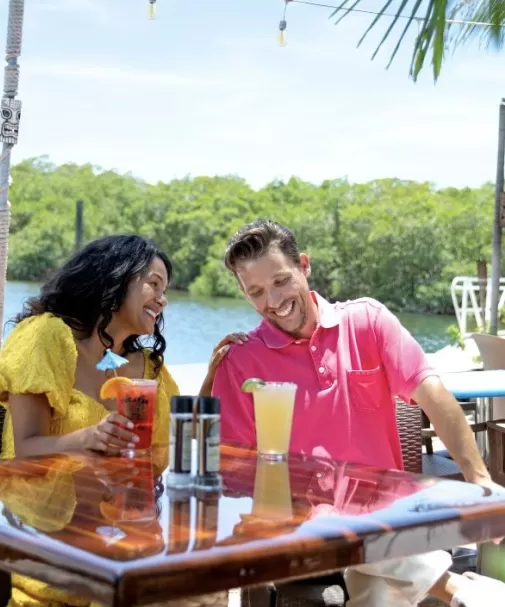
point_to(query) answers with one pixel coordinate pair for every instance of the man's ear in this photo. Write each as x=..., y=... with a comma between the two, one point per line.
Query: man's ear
x=305, y=264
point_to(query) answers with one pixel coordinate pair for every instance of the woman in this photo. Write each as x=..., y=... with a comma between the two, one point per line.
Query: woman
x=106, y=296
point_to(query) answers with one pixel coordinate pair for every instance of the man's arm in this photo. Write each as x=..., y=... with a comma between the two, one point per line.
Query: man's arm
x=412, y=378
x=451, y=426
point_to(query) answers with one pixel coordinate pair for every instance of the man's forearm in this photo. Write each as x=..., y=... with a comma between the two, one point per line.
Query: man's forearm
x=450, y=424
x=453, y=430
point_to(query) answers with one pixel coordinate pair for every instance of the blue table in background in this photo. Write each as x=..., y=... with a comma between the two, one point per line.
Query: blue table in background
x=482, y=386
x=475, y=384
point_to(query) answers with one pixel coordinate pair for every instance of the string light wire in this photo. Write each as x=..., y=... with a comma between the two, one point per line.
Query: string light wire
x=368, y=12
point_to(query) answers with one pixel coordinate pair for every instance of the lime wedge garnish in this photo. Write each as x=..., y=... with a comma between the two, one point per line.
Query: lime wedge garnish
x=252, y=384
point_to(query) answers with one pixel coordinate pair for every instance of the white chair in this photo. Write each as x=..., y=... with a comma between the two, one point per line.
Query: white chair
x=492, y=352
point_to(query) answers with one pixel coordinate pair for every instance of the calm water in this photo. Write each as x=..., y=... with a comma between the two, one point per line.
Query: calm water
x=194, y=326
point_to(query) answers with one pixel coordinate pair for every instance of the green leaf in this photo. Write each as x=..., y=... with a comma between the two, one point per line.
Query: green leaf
x=341, y=7
x=413, y=15
x=390, y=28
x=485, y=19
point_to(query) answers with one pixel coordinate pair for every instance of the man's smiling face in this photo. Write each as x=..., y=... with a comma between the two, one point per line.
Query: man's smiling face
x=278, y=289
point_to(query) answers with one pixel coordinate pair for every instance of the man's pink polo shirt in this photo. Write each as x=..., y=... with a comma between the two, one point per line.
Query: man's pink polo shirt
x=348, y=373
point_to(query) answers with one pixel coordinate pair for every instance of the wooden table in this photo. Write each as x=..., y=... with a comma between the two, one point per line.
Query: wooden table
x=109, y=530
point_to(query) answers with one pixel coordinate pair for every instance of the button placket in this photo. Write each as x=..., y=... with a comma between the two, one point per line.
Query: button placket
x=322, y=371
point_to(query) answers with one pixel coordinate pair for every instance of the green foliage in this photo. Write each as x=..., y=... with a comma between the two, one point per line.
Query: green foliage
x=455, y=337
x=399, y=241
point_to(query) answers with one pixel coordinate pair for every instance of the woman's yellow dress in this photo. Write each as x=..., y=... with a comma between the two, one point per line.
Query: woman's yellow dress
x=40, y=357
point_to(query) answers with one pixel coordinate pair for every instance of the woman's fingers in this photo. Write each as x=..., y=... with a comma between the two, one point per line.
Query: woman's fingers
x=236, y=338
x=120, y=420
x=218, y=356
x=119, y=435
x=223, y=346
x=115, y=425
x=100, y=442
x=111, y=437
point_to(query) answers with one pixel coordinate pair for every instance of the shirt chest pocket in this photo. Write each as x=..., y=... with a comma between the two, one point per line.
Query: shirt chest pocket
x=368, y=389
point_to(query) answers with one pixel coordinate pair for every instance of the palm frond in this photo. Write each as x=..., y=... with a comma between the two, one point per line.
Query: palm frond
x=487, y=19
x=446, y=24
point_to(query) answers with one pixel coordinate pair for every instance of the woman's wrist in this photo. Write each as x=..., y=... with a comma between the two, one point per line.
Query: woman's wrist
x=206, y=388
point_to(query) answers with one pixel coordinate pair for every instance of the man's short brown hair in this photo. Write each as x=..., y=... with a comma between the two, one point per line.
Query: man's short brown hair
x=255, y=239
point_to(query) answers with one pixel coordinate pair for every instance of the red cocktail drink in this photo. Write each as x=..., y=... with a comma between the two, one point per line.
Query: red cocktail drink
x=136, y=400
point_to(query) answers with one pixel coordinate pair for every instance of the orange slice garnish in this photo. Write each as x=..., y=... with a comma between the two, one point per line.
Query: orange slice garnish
x=110, y=388
x=109, y=511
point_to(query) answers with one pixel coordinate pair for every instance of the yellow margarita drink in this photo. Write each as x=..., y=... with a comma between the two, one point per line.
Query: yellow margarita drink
x=273, y=410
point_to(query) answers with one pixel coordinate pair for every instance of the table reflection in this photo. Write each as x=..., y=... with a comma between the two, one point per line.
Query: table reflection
x=108, y=507
x=122, y=509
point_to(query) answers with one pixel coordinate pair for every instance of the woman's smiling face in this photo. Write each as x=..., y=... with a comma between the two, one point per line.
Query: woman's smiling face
x=144, y=301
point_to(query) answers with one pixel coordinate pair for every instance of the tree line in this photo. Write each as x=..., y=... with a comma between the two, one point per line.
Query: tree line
x=399, y=241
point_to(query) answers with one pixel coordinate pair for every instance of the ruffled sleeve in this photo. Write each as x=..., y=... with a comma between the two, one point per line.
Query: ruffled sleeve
x=39, y=357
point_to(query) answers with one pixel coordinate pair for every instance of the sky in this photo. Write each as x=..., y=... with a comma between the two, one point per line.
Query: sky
x=206, y=90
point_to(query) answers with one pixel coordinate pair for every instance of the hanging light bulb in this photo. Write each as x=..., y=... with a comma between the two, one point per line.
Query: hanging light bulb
x=282, y=38
x=151, y=10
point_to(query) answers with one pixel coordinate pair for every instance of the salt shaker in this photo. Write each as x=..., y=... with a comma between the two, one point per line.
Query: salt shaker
x=208, y=420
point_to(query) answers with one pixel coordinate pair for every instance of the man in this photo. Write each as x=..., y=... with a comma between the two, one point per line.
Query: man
x=349, y=360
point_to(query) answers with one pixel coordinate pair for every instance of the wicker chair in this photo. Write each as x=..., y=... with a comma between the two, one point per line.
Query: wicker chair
x=330, y=590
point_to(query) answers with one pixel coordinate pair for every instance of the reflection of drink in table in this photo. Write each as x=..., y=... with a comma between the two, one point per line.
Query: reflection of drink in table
x=133, y=500
x=272, y=492
x=136, y=400
x=273, y=409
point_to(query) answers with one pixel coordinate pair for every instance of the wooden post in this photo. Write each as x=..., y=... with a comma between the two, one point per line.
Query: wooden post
x=497, y=227
x=79, y=224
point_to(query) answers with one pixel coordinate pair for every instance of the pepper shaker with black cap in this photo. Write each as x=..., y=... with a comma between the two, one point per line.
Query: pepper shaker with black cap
x=208, y=412
x=181, y=436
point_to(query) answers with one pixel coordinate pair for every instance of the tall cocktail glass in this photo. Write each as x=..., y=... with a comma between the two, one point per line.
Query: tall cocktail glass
x=273, y=410
x=136, y=400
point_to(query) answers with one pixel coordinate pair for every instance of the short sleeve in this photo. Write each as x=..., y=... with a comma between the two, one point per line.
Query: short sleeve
x=237, y=415
x=403, y=358
x=39, y=357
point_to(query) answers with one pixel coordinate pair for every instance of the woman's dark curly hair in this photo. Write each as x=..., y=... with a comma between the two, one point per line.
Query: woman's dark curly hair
x=93, y=283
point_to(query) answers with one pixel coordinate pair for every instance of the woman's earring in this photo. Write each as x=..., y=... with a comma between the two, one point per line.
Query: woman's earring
x=114, y=307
